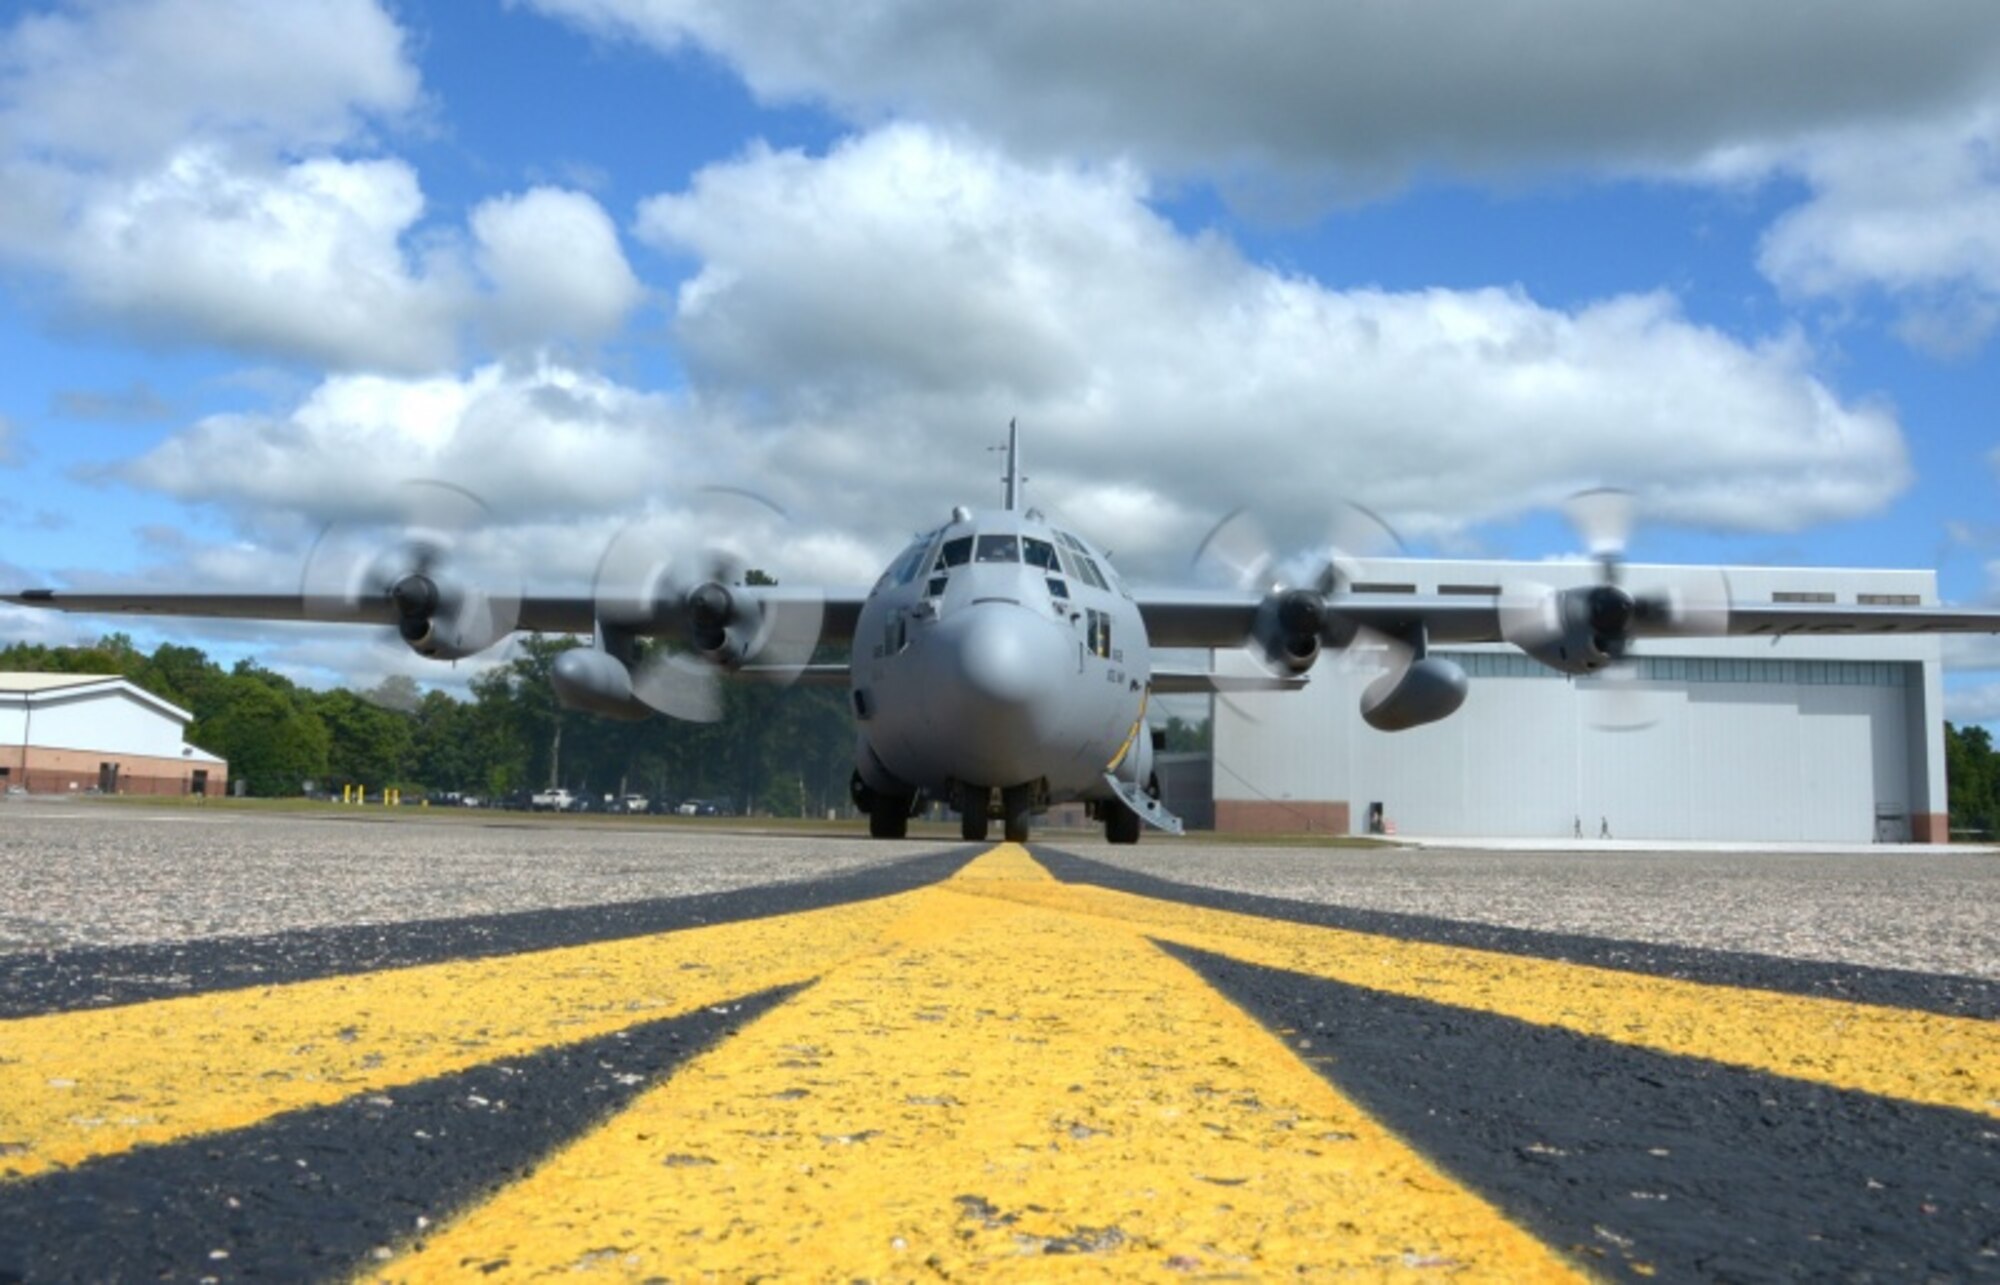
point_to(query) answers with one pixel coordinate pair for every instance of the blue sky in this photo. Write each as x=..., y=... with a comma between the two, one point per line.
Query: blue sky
x=262, y=263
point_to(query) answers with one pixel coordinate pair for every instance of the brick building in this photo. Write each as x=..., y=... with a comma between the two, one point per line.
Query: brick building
x=72, y=733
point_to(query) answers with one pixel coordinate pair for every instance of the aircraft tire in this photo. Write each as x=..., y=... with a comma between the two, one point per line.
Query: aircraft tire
x=972, y=826
x=1121, y=824
x=890, y=819
x=1016, y=805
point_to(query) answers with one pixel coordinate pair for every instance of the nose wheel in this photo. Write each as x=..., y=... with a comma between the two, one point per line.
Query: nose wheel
x=1016, y=803
x=973, y=806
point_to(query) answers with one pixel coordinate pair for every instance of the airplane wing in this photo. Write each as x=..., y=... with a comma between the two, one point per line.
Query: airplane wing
x=1208, y=618
x=1227, y=618
x=539, y=613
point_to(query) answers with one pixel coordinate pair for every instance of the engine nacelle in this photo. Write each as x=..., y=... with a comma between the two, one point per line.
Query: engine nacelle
x=1288, y=627
x=1590, y=628
x=599, y=683
x=1430, y=689
x=725, y=625
x=445, y=621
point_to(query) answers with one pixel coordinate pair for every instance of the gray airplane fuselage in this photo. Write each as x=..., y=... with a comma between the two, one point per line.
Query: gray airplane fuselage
x=1000, y=653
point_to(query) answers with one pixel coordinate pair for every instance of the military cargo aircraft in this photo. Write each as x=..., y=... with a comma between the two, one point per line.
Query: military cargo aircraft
x=1001, y=665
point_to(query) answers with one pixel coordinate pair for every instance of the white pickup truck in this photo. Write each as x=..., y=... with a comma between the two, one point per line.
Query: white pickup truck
x=551, y=801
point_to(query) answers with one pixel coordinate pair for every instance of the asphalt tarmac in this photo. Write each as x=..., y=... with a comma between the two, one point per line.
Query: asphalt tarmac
x=243, y=1044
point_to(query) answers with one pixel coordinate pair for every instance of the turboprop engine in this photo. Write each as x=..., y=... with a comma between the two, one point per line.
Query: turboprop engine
x=1581, y=629
x=438, y=581
x=443, y=620
x=1296, y=624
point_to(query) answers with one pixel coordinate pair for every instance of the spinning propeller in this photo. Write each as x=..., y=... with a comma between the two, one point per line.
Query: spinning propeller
x=1591, y=629
x=1301, y=613
x=643, y=585
x=435, y=580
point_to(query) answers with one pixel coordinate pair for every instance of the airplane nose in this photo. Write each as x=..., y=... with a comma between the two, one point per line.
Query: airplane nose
x=1002, y=690
x=999, y=660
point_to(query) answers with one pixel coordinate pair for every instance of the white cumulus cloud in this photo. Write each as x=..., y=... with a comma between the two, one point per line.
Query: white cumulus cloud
x=860, y=326
x=124, y=83
x=555, y=266
x=1291, y=103
x=1369, y=92
x=307, y=260
x=1911, y=214
x=176, y=167
x=916, y=291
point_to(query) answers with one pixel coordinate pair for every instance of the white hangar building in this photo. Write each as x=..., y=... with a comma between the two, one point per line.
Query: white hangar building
x=71, y=733
x=1810, y=738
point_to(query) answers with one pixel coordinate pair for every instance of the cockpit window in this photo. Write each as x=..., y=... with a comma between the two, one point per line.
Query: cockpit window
x=955, y=553
x=1040, y=553
x=998, y=548
x=910, y=563
x=1091, y=575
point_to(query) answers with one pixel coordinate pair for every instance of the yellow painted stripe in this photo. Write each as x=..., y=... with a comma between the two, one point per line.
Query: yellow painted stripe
x=1918, y=1057
x=1005, y=1082
x=78, y=1085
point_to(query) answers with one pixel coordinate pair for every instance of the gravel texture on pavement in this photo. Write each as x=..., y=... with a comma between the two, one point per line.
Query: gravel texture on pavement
x=1932, y=912
x=91, y=875
x=76, y=875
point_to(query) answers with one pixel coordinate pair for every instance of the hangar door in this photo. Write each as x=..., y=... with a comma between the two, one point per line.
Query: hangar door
x=1784, y=751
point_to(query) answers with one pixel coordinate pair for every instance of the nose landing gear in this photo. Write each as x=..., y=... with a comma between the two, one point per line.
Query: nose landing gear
x=974, y=805
x=1016, y=803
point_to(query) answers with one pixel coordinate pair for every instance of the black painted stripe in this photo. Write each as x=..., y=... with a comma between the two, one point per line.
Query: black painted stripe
x=60, y=981
x=1855, y=983
x=1636, y=1162
x=313, y=1194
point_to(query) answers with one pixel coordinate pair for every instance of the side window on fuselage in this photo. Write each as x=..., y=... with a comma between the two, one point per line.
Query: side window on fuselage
x=1098, y=637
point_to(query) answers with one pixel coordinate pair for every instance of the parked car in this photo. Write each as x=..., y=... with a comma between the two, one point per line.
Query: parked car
x=699, y=808
x=557, y=800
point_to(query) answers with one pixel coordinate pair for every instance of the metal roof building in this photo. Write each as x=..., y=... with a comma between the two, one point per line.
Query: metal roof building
x=71, y=733
x=1808, y=738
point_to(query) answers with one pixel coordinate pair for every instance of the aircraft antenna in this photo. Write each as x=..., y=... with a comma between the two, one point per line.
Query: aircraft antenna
x=1016, y=483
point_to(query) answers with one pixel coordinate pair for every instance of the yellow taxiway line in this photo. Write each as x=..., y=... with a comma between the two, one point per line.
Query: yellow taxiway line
x=78, y=1085
x=998, y=1075
x=997, y=1094
x=1915, y=1056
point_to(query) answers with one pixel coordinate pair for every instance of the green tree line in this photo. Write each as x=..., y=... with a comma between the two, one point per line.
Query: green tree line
x=1972, y=779
x=786, y=751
